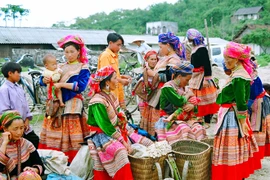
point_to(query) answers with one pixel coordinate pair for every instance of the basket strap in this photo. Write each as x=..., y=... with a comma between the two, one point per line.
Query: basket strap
x=185, y=170
x=168, y=169
x=159, y=171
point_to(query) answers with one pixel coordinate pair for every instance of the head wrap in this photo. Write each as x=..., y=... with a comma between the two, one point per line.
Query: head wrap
x=149, y=53
x=77, y=40
x=196, y=36
x=99, y=76
x=9, y=116
x=185, y=67
x=240, y=52
x=174, y=41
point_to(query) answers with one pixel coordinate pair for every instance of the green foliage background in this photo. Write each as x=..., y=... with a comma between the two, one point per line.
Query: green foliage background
x=187, y=13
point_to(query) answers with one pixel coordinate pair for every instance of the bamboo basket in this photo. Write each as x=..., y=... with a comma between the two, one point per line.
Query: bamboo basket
x=199, y=156
x=146, y=169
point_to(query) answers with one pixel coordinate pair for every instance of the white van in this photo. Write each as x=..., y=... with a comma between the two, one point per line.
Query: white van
x=217, y=55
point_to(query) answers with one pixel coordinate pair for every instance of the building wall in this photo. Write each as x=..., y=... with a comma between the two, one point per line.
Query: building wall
x=155, y=28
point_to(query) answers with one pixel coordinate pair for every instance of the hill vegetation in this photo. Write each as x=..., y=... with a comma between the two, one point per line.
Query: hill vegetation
x=187, y=13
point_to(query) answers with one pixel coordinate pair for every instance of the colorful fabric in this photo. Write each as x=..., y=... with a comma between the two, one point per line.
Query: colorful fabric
x=231, y=153
x=28, y=156
x=65, y=138
x=196, y=36
x=240, y=52
x=149, y=53
x=9, y=116
x=173, y=40
x=77, y=40
x=29, y=175
x=184, y=68
x=106, y=148
x=99, y=76
x=171, y=100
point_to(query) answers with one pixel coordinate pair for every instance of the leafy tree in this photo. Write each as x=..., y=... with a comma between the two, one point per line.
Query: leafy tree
x=14, y=11
x=260, y=37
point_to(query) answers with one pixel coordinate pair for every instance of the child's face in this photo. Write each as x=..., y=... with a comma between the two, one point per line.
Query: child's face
x=152, y=61
x=115, y=46
x=51, y=64
x=14, y=77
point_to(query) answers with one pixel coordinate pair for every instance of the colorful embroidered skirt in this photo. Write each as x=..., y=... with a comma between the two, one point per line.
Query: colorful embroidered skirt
x=65, y=138
x=149, y=116
x=234, y=157
x=208, y=96
x=180, y=130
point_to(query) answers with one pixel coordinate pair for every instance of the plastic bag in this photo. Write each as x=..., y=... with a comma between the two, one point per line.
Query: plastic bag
x=82, y=164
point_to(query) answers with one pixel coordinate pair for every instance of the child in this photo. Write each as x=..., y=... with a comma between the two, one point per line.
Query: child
x=12, y=97
x=54, y=73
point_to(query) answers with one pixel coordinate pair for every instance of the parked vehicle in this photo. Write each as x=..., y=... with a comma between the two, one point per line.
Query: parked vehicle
x=217, y=55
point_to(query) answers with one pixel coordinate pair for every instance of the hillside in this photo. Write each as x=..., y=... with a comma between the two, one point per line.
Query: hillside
x=187, y=13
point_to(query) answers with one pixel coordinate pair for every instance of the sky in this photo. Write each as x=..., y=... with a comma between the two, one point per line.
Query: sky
x=44, y=13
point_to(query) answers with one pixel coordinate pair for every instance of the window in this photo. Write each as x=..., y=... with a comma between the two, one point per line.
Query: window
x=216, y=51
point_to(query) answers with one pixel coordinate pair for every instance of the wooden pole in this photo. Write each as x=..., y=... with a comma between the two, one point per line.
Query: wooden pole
x=208, y=43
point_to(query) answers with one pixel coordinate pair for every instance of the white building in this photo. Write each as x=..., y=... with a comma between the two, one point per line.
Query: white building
x=155, y=28
x=247, y=13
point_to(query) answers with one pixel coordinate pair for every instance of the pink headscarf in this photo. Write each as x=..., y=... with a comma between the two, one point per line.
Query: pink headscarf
x=240, y=52
x=99, y=76
x=149, y=53
x=77, y=40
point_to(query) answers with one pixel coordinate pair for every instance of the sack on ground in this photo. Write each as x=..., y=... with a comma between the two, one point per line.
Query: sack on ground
x=82, y=164
x=54, y=161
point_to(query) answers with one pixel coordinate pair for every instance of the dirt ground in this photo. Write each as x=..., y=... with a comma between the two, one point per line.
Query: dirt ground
x=264, y=73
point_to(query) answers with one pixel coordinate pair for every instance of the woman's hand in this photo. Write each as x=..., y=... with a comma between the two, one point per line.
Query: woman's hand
x=128, y=147
x=245, y=128
x=188, y=107
x=27, y=168
x=6, y=137
x=124, y=82
x=46, y=80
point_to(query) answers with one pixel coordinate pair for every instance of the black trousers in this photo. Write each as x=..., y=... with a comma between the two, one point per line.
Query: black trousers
x=33, y=138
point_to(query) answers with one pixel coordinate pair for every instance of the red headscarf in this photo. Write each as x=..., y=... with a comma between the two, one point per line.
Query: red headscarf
x=149, y=53
x=99, y=76
x=77, y=40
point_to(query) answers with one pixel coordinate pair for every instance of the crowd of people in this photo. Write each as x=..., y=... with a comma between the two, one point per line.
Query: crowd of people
x=184, y=94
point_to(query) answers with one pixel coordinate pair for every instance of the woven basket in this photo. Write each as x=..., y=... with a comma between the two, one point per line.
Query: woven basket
x=199, y=156
x=145, y=168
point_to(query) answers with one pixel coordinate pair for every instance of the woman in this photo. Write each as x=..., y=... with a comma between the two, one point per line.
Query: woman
x=18, y=156
x=149, y=114
x=169, y=45
x=70, y=130
x=258, y=105
x=235, y=148
x=201, y=82
x=109, y=142
x=178, y=108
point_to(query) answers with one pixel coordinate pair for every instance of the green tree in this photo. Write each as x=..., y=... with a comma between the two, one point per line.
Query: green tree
x=6, y=14
x=260, y=37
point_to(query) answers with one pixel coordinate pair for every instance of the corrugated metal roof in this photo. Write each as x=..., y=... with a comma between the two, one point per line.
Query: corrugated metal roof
x=27, y=35
x=251, y=10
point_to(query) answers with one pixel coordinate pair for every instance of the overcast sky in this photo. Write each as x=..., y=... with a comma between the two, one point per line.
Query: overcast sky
x=44, y=13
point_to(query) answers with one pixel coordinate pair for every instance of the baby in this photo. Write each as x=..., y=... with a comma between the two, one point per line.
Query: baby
x=54, y=73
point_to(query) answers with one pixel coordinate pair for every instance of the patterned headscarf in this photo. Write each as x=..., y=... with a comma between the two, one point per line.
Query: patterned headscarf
x=9, y=116
x=149, y=53
x=77, y=40
x=240, y=52
x=99, y=76
x=196, y=36
x=185, y=67
x=173, y=40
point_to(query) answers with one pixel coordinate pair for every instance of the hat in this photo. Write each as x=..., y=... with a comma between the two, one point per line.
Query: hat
x=138, y=39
